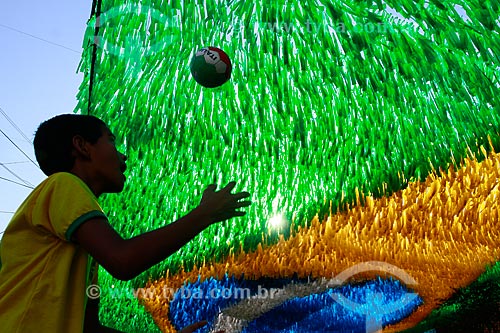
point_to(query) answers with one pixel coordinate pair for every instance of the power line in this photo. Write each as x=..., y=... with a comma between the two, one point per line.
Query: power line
x=39, y=38
x=11, y=181
x=15, y=126
x=5, y=212
x=15, y=175
x=29, y=158
x=17, y=162
x=27, y=184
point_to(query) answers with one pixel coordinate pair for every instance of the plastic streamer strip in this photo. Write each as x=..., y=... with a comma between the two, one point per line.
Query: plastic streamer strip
x=96, y=10
x=329, y=100
x=434, y=231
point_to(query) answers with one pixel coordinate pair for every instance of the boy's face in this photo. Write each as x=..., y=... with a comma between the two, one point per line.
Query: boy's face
x=108, y=164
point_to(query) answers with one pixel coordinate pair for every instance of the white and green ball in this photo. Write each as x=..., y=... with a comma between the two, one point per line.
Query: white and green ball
x=211, y=67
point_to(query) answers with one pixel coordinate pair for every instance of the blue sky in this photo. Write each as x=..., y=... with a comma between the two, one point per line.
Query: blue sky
x=38, y=80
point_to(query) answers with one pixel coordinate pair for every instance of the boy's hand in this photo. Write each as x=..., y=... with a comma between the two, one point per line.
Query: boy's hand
x=222, y=205
x=125, y=259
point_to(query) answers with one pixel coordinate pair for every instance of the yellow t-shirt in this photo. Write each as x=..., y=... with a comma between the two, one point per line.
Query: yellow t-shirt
x=44, y=276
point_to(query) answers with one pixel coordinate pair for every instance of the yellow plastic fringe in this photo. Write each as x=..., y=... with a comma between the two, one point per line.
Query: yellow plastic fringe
x=442, y=232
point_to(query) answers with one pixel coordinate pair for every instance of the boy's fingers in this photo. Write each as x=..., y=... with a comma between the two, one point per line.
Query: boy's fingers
x=241, y=195
x=229, y=187
x=242, y=204
x=238, y=213
x=211, y=187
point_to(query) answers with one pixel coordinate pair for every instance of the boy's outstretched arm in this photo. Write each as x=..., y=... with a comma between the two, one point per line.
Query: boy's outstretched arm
x=125, y=259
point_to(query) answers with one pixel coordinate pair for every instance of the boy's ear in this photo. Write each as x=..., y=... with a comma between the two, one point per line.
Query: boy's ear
x=80, y=146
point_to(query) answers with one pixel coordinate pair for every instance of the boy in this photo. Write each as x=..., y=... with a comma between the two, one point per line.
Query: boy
x=46, y=247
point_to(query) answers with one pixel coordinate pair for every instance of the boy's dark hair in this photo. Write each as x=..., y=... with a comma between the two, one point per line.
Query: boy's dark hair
x=54, y=140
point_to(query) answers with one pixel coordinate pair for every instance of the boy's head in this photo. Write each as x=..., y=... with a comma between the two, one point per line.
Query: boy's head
x=54, y=140
x=84, y=146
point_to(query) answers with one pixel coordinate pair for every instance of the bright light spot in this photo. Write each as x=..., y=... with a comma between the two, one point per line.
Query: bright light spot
x=277, y=221
x=463, y=14
x=400, y=18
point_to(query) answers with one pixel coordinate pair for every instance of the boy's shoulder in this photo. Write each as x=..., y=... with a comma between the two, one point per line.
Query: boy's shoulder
x=64, y=183
x=62, y=175
x=66, y=177
x=59, y=195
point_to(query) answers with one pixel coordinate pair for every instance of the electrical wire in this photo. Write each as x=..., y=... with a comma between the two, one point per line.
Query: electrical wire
x=2, y=111
x=11, y=181
x=15, y=175
x=39, y=38
x=18, y=148
x=16, y=162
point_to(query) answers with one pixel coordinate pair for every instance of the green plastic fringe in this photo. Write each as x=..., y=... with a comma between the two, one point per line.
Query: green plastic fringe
x=326, y=97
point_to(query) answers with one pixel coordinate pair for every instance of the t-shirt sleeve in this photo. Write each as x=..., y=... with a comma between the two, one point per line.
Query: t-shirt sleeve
x=64, y=204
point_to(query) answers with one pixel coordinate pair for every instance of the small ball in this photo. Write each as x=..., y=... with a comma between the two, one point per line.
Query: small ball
x=211, y=67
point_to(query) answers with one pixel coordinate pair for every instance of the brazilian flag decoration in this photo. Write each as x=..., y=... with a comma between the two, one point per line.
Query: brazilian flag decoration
x=367, y=133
